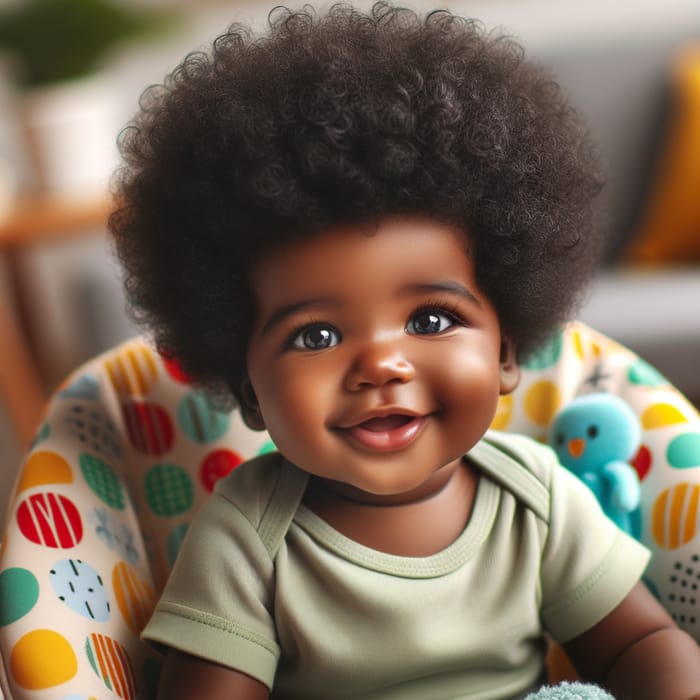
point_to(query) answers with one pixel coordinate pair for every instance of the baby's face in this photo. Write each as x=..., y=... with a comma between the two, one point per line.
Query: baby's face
x=376, y=359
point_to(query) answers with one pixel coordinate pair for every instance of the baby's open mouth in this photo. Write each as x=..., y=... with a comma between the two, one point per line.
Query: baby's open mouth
x=386, y=423
x=386, y=433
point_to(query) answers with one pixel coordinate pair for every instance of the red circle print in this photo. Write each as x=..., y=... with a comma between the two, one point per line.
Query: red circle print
x=149, y=427
x=51, y=520
x=174, y=369
x=216, y=465
x=642, y=462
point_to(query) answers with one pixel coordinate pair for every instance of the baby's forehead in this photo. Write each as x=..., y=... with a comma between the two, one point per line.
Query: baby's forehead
x=400, y=227
x=393, y=255
x=284, y=240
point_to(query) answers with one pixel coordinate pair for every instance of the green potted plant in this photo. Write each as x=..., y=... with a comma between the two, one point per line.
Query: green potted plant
x=55, y=51
x=52, y=41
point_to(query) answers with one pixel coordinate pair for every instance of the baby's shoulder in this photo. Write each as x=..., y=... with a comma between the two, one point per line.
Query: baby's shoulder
x=523, y=452
x=251, y=485
x=267, y=491
x=520, y=465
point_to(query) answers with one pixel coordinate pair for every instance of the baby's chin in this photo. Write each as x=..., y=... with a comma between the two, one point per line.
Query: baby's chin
x=389, y=489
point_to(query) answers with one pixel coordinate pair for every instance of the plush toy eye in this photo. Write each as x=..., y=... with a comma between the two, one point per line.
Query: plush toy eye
x=559, y=439
x=592, y=431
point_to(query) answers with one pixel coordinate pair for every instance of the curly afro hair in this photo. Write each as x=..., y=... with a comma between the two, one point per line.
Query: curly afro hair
x=341, y=118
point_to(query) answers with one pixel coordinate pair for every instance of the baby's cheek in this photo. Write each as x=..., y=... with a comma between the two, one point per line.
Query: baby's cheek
x=293, y=407
x=458, y=371
x=469, y=389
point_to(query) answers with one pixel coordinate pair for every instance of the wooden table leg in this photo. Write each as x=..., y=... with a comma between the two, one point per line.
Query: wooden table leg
x=20, y=386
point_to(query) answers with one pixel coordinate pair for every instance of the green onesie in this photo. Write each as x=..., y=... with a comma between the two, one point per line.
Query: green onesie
x=263, y=585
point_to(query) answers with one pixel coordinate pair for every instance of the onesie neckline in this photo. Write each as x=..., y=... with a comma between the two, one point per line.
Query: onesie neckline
x=435, y=565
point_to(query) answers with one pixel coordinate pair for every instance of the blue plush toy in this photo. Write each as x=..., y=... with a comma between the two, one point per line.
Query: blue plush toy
x=594, y=436
x=570, y=691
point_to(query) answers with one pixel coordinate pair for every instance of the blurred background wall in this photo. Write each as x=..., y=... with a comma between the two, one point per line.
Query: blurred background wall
x=619, y=62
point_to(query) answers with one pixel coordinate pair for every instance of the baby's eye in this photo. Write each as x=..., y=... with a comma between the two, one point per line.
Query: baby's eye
x=315, y=337
x=428, y=322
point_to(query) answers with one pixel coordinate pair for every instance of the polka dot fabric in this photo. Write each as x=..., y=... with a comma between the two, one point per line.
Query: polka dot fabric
x=129, y=450
x=126, y=454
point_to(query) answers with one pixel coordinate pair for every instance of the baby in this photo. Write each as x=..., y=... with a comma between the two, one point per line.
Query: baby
x=358, y=225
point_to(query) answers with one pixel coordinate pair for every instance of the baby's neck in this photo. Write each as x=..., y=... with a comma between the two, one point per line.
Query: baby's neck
x=418, y=525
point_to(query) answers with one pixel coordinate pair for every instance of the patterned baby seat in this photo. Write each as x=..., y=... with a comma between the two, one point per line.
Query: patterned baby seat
x=129, y=449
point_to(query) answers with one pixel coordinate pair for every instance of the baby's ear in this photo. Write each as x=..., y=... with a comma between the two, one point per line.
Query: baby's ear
x=250, y=408
x=509, y=368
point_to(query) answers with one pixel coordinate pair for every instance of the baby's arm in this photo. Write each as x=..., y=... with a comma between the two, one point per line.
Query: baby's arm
x=639, y=653
x=186, y=677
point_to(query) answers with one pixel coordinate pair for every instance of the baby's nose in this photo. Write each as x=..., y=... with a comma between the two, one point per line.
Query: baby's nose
x=379, y=364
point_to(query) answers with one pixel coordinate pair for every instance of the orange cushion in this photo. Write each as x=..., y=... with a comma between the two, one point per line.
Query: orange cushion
x=670, y=231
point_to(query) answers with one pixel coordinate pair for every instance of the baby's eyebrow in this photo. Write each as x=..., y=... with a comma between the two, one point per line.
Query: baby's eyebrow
x=450, y=286
x=282, y=312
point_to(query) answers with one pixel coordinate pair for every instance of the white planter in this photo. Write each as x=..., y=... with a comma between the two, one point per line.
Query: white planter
x=70, y=132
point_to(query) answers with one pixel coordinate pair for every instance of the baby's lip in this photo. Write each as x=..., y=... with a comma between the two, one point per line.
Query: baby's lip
x=390, y=414
x=381, y=424
x=386, y=430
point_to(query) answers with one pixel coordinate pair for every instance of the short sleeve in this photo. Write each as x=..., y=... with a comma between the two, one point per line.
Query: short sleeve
x=217, y=603
x=589, y=565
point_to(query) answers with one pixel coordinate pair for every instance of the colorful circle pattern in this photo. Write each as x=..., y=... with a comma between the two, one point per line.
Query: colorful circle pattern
x=199, y=420
x=110, y=661
x=216, y=465
x=80, y=587
x=42, y=659
x=169, y=489
x=102, y=479
x=134, y=597
x=42, y=468
x=150, y=428
x=19, y=592
x=94, y=431
x=51, y=520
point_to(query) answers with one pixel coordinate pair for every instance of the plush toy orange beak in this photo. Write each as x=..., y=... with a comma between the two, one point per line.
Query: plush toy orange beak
x=577, y=447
